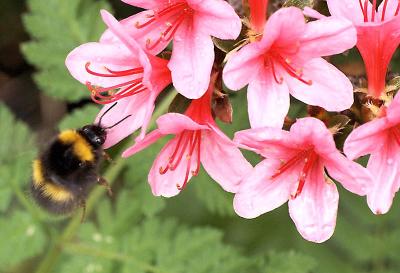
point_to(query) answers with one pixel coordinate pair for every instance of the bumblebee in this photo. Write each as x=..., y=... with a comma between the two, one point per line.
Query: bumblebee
x=66, y=171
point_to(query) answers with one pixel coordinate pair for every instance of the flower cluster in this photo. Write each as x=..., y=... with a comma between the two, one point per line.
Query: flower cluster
x=273, y=56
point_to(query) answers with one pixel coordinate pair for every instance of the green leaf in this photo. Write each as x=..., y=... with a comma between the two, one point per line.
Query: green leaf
x=289, y=262
x=16, y=154
x=213, y=197
x=20, y=239
x=57, y=27
x=80, y=117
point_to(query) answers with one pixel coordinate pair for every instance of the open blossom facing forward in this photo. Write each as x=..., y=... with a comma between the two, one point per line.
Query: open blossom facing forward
x=288, y=59
x=381, y=139
x=123, y=65
x=378, y=35
x=197, y=141
x=294, y=171
x=190, y=24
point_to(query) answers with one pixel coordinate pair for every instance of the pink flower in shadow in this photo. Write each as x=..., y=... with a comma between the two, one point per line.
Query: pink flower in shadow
x=378, y=35
x=288, y=60
x=294, y=170
x=197, y=141
x=120, y=65
x=381, y=139
x=190, y=24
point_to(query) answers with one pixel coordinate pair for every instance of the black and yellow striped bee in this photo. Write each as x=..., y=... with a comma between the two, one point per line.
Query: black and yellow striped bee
x=66, y=171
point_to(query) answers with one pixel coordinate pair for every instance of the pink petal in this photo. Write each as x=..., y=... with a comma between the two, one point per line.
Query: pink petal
x=146, y=4
x=166, y=184
x=223, y=161
x=314, y=210
x=327, y=37
x=352, y=176
x=113, y=56
x=259, y=194
x=268, y=101
x=217, y=18
x=174, y=123
x=136, y=106
x=330, y=88
x=243, y=66
x=347, y=9
x=312, y=13
x=393, y=111
x=143, y=144
x=366, y=139
x=191, y=61
x=312, y=132
x=280, y=28
x=269, y=142
x=385, y=169
x=142, y=35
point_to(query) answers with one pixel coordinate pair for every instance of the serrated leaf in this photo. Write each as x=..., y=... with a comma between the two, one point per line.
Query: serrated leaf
x=20, y=238
x=80, y=117
x=57, y=27
x=214, y=198
x=289, y=262
x=16, y=154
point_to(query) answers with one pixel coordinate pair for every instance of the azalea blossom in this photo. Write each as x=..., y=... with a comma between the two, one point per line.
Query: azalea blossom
x=381, y=139
x=190, y=24
x=378, y=35
x=286, y=60
x=294, y=170
x=197, y=141
x=120, y=65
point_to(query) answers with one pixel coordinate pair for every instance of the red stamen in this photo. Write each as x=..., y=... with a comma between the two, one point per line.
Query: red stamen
x=160, y=14
x=310, y=160
x=193, y=145
x=114, y=73
x=198, y=139
x=295, y=73
x=271, y=62
x=373, y=10
x=366, y=10
x=290, y=163
x=384, y=10
x=397, y=9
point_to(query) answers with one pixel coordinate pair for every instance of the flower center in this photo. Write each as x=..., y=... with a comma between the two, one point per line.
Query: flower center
x=188, y=145
x=273, y=58
x=396, y=133
x=309, y=157
x=105, y=95
x=365, y=11
x=171, y=16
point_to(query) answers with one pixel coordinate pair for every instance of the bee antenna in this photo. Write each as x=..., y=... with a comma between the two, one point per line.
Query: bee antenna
x=111, y=107
x=112, y=126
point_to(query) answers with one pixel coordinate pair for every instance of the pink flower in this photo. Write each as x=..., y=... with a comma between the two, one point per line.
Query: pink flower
x=258, y=14
x=294, y=171
x=381, y=139
x=197, y=141
x=190, y=24
x=378, y=35
x=122, y=65
x=287, y=59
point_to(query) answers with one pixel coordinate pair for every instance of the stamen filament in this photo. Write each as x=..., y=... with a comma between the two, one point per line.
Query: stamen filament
x=114, y=73
x=384, y=10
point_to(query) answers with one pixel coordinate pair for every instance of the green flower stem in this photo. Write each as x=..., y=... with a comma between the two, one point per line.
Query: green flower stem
x=87, y=250
x=56, y=247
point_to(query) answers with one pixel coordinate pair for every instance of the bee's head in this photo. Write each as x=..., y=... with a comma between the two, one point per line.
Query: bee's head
x=95, y=134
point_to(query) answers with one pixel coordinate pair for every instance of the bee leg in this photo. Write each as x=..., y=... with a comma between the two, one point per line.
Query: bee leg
x=83, y=206
x=103, y=182
x=107, y=157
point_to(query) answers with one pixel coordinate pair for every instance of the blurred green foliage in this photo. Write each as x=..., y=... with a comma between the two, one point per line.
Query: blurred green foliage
x=134, y=231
